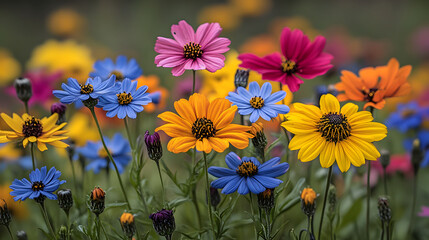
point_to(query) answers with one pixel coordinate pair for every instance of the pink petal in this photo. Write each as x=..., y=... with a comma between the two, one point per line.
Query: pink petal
x=213, y=62
x=183, y=33
x=293, y=82
x=269, y=62
x=218, y=45
x=172, y=61
x=178, y=71
x=313, y=50
x=166, y=45
x=207, y=32
x=293, y=43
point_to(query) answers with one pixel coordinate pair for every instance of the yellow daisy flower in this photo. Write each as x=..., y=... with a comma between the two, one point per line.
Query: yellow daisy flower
x=336, y=134
x=204, y=125
x=30, y=129
x=9, y=67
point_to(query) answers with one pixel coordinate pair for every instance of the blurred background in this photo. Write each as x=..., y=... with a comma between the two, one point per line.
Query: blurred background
x=49, y=41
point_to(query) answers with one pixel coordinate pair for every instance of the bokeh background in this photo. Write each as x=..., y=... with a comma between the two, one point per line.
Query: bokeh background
x=53, y=40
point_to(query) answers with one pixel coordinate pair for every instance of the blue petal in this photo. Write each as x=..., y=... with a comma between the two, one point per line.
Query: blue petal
x=221, y=172
x=232, y=186
x=268, y=182
x=221, y=182
x=254, y=186
x=232, y=160
x=265, y=90
x=243, y=189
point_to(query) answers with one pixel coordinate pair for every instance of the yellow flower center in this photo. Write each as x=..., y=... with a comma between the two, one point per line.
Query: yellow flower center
x=102, y=152
x=119, y=75
x=257, y=102
x=289, y=66
x=334, y=127
x=192, y=50
x=247, y=169
x=86, y=89
x=124, y=98
x=38, y=186
x=203, y=128
x=32, y=127
x=369, y=94
x=408, y=113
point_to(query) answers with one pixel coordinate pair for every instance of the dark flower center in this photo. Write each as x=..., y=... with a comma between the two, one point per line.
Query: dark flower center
x=289, y=66
x=247, y=169
x=32, y=127
x=257, y=102
x=203, y=128
x=408, y=113
x=86, y=89
x=38, y=186
x=124, y=98
x=119, y=75
x=369, y=94
x=192, y=50
x=334, y=127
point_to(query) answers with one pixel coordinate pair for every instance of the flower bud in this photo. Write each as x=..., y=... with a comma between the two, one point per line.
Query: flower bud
x=241, y=78
x=127, y=223
x=163, y=222
x=385, y=158
x=60, y=109
x=214, y=196
x=23, y=89
x=308, y=201
x=5, y=217
x=97, y=200
x=63, y=233
x=90, y=102
x=65, y=199
x=384, y=210
x=416, y=155
x=332, y=198
x=259, y=140
x=266, y=199
x=153, y=144
x=21, y=235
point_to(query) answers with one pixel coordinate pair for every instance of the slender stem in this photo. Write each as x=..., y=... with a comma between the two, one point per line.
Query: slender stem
x=328, y=181
x=48, y=223
x=241, y=119
x=68, y=226
x=142, y=198
x=33, y=159
x=110, y=157
x=26, y=107
x=129, y=134
x=193, y=81
x=388, y=230
x=312, y=226
x=208, y=193
x=267, y=216
x=197, y=208
x=413, y=207
x=253, y=215
x=97, y=225
x=10, y=232
x=385, y=181
x=382, y=230
x=162, y=182
x=368, y=197
x=74, y=181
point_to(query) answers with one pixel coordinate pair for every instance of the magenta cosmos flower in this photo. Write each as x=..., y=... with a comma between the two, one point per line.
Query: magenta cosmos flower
x=192, y=51
x=300, y=58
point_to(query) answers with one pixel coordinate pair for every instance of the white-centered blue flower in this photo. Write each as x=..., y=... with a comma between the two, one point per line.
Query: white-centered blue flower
x=258, y=102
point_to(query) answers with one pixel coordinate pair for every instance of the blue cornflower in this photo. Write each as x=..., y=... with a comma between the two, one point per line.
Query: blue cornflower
x=407, y=116
x=258, y=102
x=93, y=88
x=122, y=69
x=247, y=174
x=126, y=101
x=42, y=184
x=94, y=151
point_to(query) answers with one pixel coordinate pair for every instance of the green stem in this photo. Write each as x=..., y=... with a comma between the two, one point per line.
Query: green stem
x=253, y=215
x=97, y=226
x=74, y=181
x=267, y=216
x=382, y=230
x=110, y=157
x=10, y=232
x=385, y=181
x=368, y=197
x=26, y=107
x=33, y=159
x=413, y=207
x=328, y=181
x=162, y=182
x=197, y=208
x=208, y=193
x=388, y=231
x=129, y=135
x=47, y=222
x=68, y=226
x=193, y=81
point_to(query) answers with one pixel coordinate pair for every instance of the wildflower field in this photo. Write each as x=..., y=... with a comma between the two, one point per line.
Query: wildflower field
x=232, y=119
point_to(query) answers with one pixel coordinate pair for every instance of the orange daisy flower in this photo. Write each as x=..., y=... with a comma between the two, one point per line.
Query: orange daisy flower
x=374, y=85
x=153, y=83
x=204, y=125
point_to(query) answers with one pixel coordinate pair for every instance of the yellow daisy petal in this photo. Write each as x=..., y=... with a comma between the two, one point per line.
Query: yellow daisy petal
x=349, y=109
x=329, y=104
x=343, y=161
x=14, y=125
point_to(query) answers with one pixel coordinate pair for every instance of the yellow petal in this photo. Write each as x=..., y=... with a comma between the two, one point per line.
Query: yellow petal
x=349, y=109
x=342, y=161
x=329, y=103
x=14, y=125
x=353, y=153
x=41, y=146
x=32, y=139
x=181, y=144
x=185, y=110
x=49, y=123
x=327, y=156
x=298, y=141
x=200, y=103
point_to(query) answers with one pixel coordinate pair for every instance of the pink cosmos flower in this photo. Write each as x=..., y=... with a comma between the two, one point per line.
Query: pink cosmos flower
x=300, y=58
x=398, y=163
x=191, y=50
x=424, y=212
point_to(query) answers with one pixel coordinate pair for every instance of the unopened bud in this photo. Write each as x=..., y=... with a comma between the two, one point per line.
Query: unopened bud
x=65, y=199
x=21, y=235
x=241, y=78
x=5, y=217
x=23, y=89
x=266, y=199
x=90, y=102
x=163, y=222
x=308, y=201
x=416, y=155
x=60, y=109
x=127, y=224
x=63, y=233
x=153, y=144
x=385, y=158
x=97, y=200
x=214, y=196
x=384, y=210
